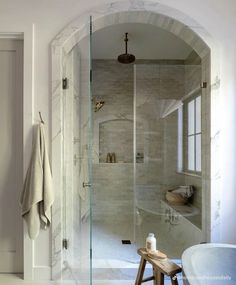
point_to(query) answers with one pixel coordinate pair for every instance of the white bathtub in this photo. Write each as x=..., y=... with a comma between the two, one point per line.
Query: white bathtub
x=210, y=264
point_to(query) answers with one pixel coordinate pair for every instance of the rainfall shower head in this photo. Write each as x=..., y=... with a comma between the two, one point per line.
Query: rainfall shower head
x=126, y=58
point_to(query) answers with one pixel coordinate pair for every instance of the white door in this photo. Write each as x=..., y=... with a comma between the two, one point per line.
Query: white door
x=11, y=155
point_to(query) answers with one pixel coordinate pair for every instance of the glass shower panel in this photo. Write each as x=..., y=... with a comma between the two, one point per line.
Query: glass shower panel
x=148, y=160
x=158, y=89
x=77, y=153
x=113, y=203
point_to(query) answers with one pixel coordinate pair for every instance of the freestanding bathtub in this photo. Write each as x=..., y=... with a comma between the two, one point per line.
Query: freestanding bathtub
x=209, y=264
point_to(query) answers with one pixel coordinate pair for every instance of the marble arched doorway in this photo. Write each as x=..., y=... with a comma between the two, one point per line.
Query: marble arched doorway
x=145, y=12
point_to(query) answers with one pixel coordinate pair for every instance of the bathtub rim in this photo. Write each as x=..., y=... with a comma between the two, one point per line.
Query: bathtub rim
x=188, y=253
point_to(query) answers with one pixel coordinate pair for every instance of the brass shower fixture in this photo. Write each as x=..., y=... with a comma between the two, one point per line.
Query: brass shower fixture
x=98, y=105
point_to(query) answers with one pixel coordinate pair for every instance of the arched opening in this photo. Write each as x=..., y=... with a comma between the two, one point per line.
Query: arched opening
x=74, y=36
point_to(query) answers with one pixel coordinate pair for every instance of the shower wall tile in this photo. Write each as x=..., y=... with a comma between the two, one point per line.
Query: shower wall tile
x=160, y=81
x=113, y=192
x=192, y=77
x=171, y=82
x=116, y=136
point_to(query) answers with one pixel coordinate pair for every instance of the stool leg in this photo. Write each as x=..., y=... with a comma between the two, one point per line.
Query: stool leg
x=158, y=278
x=154, y=275
x=174, y=280
x=141, y=269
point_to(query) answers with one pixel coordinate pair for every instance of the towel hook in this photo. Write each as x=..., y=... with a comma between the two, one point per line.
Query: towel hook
x=41, y=119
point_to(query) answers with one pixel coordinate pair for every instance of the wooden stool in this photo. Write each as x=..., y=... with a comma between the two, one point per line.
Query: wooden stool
x=160, y=267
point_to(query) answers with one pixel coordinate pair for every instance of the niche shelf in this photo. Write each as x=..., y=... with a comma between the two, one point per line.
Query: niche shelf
x=116, y=136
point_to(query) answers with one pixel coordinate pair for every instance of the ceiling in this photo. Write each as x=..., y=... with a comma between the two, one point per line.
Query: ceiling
x=145, y=42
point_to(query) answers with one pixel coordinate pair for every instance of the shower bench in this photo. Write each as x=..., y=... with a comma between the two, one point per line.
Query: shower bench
x=160, y=267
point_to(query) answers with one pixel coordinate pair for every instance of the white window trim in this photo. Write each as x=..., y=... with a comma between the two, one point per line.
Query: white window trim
x=180, y=140
x=181, y=169
x=194, y=135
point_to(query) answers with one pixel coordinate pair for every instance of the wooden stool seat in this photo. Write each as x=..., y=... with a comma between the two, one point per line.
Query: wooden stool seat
x=160, y=267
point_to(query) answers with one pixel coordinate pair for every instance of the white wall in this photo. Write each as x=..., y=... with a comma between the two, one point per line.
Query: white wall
x=228, y=137
x=49, y=17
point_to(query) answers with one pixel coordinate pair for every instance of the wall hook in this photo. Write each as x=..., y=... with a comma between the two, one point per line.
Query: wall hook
x=41, y=119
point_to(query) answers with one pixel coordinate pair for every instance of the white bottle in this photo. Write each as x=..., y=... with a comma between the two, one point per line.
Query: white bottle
x=151, y=243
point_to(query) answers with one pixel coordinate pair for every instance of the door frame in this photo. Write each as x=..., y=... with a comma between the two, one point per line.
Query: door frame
x=26, y=33
x=14, y=44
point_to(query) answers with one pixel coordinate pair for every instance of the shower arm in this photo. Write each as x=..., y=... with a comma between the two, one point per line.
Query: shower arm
x=126, y=43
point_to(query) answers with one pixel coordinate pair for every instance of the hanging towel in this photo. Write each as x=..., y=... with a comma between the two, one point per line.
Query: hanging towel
x=37, y=196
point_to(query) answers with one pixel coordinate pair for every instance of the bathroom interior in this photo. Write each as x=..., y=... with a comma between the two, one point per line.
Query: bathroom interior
x=135, y=131
x=137, y=102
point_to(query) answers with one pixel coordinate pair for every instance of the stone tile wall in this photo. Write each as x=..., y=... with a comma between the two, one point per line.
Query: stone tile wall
x=156, y=82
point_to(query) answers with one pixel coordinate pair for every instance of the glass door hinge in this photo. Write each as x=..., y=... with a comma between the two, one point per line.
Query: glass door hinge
x=64, y=83
x=65, y=243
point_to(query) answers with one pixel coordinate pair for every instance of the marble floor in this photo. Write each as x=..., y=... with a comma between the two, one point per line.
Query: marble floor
x=118, y=263
x=115, y=263
x=17, y=279
x=113, y=260
x=11, y=279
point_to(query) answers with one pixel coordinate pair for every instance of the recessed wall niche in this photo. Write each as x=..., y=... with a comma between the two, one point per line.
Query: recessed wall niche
x=116, y=137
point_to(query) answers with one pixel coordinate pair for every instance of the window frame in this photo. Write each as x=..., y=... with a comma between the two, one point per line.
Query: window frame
x=186, y=135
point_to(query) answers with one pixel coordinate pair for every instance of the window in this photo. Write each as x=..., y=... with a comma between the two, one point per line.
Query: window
x=194, y=135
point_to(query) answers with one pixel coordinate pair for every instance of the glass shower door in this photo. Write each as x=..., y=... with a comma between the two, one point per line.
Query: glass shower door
x=114, y=251
x=77, y=133
x=148, y=150
x=158, y=92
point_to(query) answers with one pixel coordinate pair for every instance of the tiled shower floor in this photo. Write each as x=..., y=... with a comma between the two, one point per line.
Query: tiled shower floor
x=107, y=237
x=113, y=260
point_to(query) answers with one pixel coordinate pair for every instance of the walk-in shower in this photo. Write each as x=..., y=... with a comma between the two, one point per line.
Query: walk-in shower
x=148, y=117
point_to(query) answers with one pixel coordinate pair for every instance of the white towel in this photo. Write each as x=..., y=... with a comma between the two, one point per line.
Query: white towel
x=184, y=191
x=37, y=196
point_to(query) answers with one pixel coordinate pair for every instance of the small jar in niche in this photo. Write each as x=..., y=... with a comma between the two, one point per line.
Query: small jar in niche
x=109, y=158
x=113, y=157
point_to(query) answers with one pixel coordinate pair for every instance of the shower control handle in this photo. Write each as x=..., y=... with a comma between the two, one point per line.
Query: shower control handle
x=86, y=184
